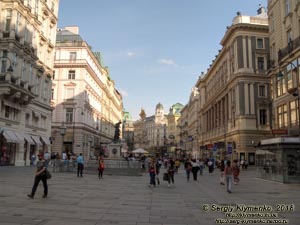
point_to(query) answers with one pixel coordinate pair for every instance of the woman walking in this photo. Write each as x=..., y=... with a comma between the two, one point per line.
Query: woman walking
x=152, y=173
x=171, y=171
x=228, y=174
x=101, y=167
x=236, y=172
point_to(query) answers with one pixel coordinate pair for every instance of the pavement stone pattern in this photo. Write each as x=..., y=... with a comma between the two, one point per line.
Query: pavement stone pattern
x=127, y=200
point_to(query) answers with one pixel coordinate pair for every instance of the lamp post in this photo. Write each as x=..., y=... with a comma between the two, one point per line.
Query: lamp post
x=295, y=90
x=74, y=119
x=62, y=131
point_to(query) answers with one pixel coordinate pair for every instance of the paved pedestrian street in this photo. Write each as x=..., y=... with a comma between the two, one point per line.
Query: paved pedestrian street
x=127, y=200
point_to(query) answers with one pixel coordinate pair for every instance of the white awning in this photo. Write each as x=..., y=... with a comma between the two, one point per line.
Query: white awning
x=28, y=138
x=10, y=136
x=36, y=140
x=45, y=140
x=19, y=136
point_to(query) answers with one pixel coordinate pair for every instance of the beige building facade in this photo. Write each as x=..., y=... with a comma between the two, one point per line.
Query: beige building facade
x=234, y=103
x=284, y=20
x=28, y=35
x=86, y=103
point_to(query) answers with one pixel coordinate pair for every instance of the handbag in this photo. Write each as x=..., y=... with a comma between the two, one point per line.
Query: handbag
x=48, y=174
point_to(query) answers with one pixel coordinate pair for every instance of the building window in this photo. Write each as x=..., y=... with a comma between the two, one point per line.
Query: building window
x=53, y=75
x=259, y=43
x=7, y=112
x=71, y=75
x=70, y=93
x=289, y=37
x=52, y=93
x=4, y=61
x=281, y=86
x=69, y=115
x=271, y=19
x=73, y=56
x=260, y=63
x=293, y=111
x=8, y=20
x=18, y=21
x=287, y=7
x=262, y=91
x=282, y=116
x=262, y=117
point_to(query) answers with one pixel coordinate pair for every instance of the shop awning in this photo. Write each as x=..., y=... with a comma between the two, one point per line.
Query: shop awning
x=10, y=136
x=28, y=138
x=19, y=136
x=45, y=140
x=36, y=140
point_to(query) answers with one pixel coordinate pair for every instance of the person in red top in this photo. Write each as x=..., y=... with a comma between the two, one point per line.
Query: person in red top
x=152, y=173
x=101, y=167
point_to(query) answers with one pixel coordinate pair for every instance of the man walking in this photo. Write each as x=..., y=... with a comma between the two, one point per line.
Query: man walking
x=40, y=175
x=79, y=165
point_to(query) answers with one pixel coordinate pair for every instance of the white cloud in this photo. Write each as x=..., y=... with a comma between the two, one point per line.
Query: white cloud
x=124, y=93
x=169, y=62
x=130, y=54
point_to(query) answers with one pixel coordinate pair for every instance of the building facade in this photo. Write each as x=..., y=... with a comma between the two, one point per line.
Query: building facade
x=284, y=21
x=86, y=103
x=173, y=130
x=27, y=43
x=235, y=108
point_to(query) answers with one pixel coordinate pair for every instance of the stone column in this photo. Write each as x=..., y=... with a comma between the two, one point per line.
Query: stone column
x=20, y=154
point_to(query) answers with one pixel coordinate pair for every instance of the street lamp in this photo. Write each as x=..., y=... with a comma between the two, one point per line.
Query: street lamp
x=62, y=131
x=295, y=90
x=74, y=119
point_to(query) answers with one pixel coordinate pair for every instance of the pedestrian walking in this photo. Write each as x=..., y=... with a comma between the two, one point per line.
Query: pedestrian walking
x=40, y=175
x=152, y=174
x=222, y=168
x=201, y=166
x=177, y=165
x=171, y=171
x=101, y=167
x=157, y=170
x=188, y=169
x=236, y=172
x=80, y=165
x=195, y=168
x=228, y=172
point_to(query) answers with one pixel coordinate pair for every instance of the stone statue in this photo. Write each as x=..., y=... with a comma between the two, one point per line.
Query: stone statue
x=117, y=132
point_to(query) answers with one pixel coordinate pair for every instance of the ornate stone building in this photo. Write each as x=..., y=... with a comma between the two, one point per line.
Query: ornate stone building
x=86, y=103
x=235, y=109
x=284, y=17
x=27, y=42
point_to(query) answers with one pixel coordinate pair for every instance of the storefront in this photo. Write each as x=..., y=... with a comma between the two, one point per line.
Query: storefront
x=278, y=159
x=17, y=148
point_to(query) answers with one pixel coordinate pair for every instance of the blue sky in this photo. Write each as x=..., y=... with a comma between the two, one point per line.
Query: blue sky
x=155, y=49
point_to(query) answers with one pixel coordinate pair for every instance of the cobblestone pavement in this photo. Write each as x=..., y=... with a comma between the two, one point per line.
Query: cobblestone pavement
x=127, y=200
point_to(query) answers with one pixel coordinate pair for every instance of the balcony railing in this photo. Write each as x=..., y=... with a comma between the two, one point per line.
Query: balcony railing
x=289, y=49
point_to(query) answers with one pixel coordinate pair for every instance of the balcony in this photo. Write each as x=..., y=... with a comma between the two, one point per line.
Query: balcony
x=289, y=50
x=14, y=91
